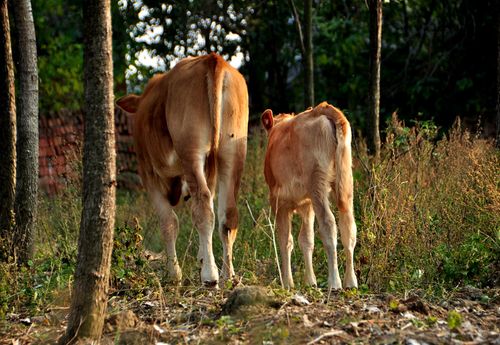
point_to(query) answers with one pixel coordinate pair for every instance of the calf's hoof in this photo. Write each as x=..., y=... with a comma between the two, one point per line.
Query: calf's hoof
x=175, y=275
x=227, y=274
x=350, y=281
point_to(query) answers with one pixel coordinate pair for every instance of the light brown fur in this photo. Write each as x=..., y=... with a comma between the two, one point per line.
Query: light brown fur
x=309, y=155
x=190, y=128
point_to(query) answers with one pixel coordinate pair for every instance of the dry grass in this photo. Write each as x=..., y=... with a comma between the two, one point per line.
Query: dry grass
x=429, y=211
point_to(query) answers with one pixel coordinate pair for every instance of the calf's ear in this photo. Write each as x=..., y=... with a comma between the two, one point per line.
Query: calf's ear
x=129, y=103
x=267, y=119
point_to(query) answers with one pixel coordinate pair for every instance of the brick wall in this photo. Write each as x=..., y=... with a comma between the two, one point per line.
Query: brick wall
x=61, y=145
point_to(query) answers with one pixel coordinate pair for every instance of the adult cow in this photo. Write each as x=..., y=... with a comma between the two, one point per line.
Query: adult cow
x=190, y=128
x=308, y=156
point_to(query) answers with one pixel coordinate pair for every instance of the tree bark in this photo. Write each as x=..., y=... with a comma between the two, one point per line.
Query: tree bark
x=7, y=135
x=27, y=131
x=95, y=242
x=375, y=7
x=308, y=58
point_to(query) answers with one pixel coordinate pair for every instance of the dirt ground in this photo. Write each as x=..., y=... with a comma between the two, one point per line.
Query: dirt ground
x=257, y=315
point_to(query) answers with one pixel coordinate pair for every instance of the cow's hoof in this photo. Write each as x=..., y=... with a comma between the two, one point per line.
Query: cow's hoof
x=212, y=284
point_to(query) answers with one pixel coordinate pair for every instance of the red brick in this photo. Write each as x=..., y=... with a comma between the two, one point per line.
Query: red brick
x=60, y=169
x=43, y=142
x=44, y=171
x=42, y=162
x=50, y=151
x=59, y=160
x=70, y=138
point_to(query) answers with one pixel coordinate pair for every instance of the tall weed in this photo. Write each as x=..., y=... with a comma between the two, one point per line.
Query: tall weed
x=429, y=211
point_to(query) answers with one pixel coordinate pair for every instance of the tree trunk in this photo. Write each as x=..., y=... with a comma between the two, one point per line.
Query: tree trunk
x=27, y=131
x=374, y=97
x=88, y=305
x=7, y=135
x=308, y=58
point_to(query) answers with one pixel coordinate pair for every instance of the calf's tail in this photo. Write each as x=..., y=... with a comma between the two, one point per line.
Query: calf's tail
x=343, y=156
x=344, y=188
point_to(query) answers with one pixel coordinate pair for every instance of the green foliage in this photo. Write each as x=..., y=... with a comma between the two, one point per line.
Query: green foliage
x=428, y=49
x=430, y=62
x=454, y=319
x=341, y=56
x=227, y=326
x=58, y=26
x=182, y=23
x=130, y=271
x=472, y=262
x=127, y=250
x=29, y=288
x=60, y=53
x=394, y=305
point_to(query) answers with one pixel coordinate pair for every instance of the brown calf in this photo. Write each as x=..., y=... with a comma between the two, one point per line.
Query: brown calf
x=308, y=156
x=190, y=133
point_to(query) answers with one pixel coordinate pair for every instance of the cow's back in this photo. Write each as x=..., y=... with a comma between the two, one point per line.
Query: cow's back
x=190, y=93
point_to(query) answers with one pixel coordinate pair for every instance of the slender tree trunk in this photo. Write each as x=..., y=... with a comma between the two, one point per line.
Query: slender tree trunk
x=375, y=48
x=7, y=135
x=27, y=131
x=308, y=58
x=88, y=305
x=298, y=26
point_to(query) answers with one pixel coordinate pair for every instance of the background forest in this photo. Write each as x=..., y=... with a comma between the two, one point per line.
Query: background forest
x=427, y=208
x=429, y=48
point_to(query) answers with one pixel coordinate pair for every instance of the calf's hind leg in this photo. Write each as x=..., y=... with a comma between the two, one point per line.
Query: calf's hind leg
x=348, y=236
x=328, y=234
x=285, y=241
x=306, y=241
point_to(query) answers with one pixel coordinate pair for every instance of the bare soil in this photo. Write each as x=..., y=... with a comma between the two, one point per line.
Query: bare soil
x=259, y=315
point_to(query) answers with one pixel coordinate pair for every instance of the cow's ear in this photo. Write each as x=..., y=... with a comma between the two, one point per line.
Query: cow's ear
x=129, y=103
x=267, y=119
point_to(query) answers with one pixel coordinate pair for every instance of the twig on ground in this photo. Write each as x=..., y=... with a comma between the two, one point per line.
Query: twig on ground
x=325, y=335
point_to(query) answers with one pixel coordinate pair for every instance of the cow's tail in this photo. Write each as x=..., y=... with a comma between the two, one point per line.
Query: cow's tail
x=343, y=157
x=215, y=83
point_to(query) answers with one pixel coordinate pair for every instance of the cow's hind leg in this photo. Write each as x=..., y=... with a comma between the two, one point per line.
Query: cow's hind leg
x=230, y=167
x=306, y=241
x=328, y=234
x=169, y=228
x=203, y=218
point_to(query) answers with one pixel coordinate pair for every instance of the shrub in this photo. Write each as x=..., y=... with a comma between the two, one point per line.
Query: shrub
x=429, y=210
